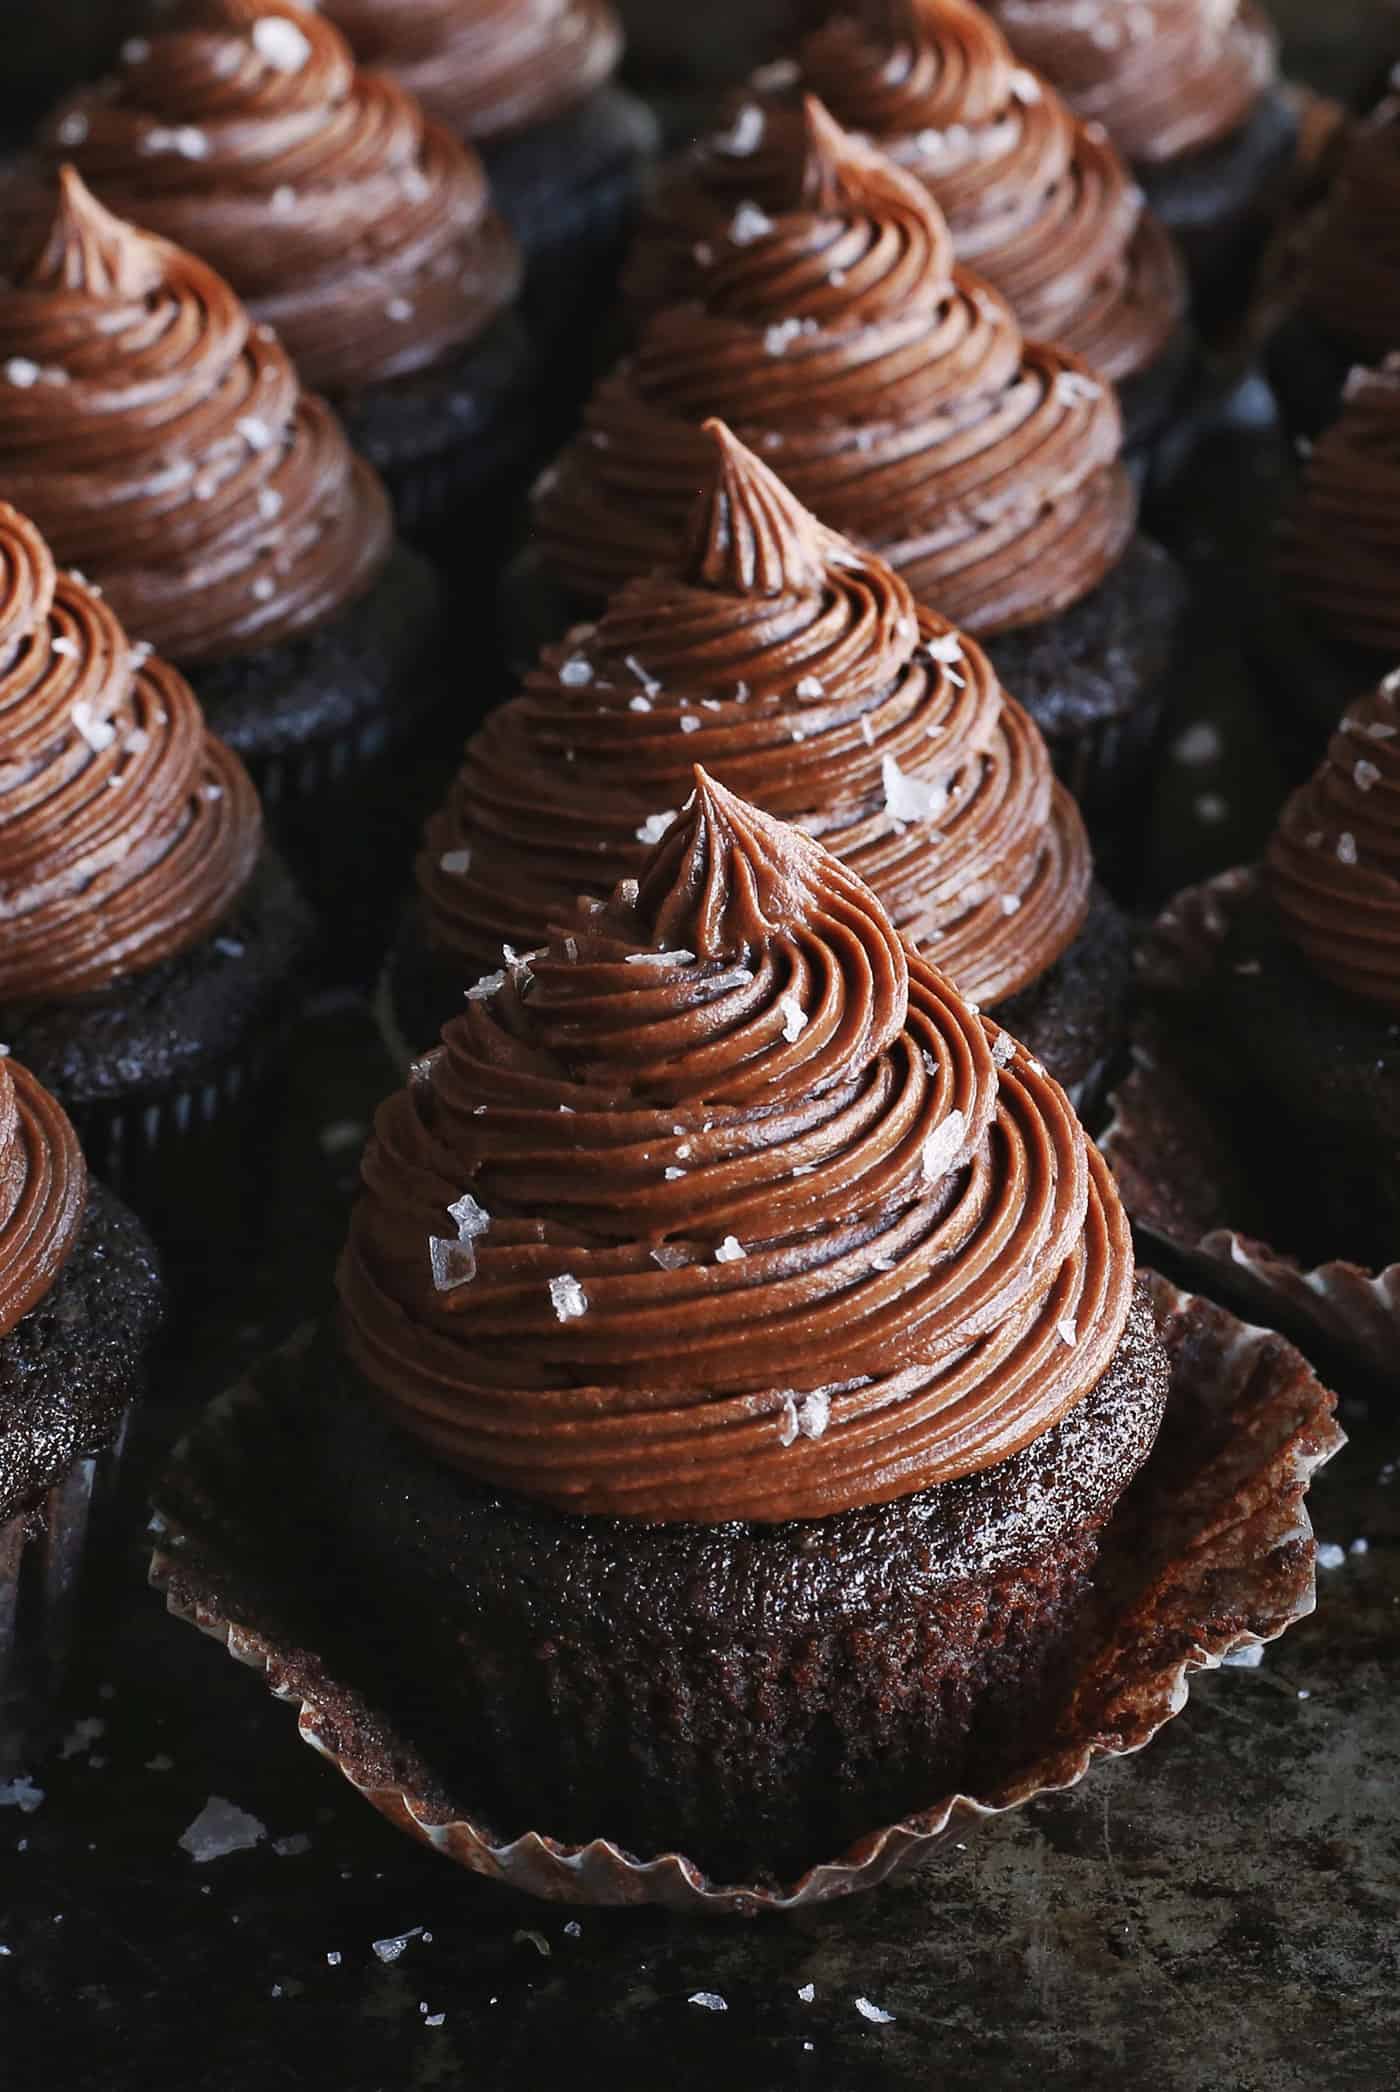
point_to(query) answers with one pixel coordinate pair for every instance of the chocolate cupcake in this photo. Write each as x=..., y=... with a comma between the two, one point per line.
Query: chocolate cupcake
x=1327, y=624
x=894, y=393
x=1038, y=204
x=1337, y=278
x=80, y=1308
x=152, y=944
x=161, y=442
x=1188, y=90
x=530, y=83
x=360, y=230
x=799, y=671
x=1294, y=1196
x=739, y=1358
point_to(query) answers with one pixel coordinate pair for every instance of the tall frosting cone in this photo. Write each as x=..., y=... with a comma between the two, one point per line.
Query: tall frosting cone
x=161, y=442
x=893, y=392
x=765, y=1223
x=362, y=232
x=799, y=671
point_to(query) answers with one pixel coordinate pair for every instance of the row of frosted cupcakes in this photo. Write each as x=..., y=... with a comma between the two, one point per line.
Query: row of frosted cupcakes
x=745, y=942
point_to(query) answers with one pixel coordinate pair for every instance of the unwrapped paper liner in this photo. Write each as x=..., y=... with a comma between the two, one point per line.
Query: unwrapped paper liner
x=1210, y=1551
x=1165, y=1180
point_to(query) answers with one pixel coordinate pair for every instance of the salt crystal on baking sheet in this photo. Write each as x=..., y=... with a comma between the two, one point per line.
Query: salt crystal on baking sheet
x=390, y=1949
x=710, y=1999
x=876, y=2014
x=456, y=862
x=806, y=1991
x=220, y=1827
x=22, y=1794
x=291, y=1848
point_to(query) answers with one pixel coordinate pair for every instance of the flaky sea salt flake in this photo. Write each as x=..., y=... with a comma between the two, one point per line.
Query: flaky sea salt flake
x=651, y=831
x=575, y=673
x=748, y=224
x=220, y=1828
x=744, y=135
x=730, y=1250
x=280, y=44
x=710, y=2000
x=254, y=431
x=456, y=862
x=1346, y=847
x=1068, y=1334
x=390, y=1949
x=794, y=1018
x=490, y=984
x=567, y=1297
x=1364, y=775
x=943, y=1145
x=876, y=2014
x=453, y=1263
x=98, y=733
x=19, y=370
x=910, y=798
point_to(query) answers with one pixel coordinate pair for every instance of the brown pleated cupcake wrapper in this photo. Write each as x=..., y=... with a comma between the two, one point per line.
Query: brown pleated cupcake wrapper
x=1209, y=1551
x=125, y=1139
x=42, y=1554
x=1354, y=1312
x=319, y=766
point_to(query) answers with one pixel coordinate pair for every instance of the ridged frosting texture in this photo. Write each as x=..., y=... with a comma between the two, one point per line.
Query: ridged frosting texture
x=799, y=671
x=1163, y=77
x=1340, y=540
x=1333, y=863
x=357, y=228
x=727, y=1206
x=892, y=391
x=43, y=1192
x=1349, y=259
x=162, y=443
x=487, y=67
x=127, y=832
x=1037, y=202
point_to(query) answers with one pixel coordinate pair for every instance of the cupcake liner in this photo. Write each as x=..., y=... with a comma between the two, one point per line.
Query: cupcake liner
x=1166, y=1182
x=319, y=766
x=42, y=1552
x=125, y=1138
x=1208, y=1552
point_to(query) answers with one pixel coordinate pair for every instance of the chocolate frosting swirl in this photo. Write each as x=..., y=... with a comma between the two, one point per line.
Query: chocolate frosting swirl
x=43, y=1192
x=1039, y=204
x=727, y=1206
x=1333, y=864
x=893, y=392
x=1340, y=540
x=487, y=67
x=799, y=671
x=1347, y=255
x=357, y=229
x=126, y=831
x=1163, y=77
x=161, y=440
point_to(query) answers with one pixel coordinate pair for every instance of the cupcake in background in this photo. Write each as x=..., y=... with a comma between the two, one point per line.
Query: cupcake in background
x=162, y=443
x=360, y=230
x=797, y=670
x=1038, y=204
x=1336, y=278
x=1189, y=92
x=1327, y=624
x=81, y=1304
x=530, y=83
x=152, y=945
x=1261, y=1135
x=894, y=393
x=716, y=1256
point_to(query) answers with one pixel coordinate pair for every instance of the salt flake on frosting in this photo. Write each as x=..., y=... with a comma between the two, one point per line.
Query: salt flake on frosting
x=98, y=733
x=730, y=1250
x=1346, y=847
x=456, y=862
x=575, y=673
x=794, y=1018
x=280, y=44
x=749, y=223
x=655, y=826
x=910, y=798
x=744, y=135
x=943, y=1146
x=453, y=1263
x=490, y=984
x=472, y=1218
x=567, y=1297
